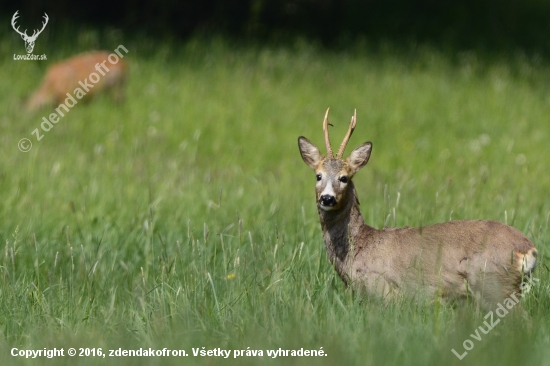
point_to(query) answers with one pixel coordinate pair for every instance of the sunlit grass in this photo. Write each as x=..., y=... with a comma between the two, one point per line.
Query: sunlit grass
x=186, y=218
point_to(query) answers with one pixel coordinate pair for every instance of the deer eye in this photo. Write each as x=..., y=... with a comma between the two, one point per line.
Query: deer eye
x=343, y=179
x=318, y=177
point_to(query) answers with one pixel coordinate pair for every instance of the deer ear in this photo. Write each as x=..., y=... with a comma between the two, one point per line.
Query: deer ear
x=360, y=156
x=310, y=153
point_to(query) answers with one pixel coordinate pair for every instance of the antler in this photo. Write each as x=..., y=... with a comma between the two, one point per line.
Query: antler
x=34, y=35
x=348, y=135
x=15, y=16
x=24, y=34
x=327, y=140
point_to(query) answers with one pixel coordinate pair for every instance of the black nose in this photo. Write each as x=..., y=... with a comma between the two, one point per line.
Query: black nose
x=327, y=200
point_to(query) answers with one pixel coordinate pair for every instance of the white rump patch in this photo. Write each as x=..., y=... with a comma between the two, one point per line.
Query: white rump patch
x=528, y=261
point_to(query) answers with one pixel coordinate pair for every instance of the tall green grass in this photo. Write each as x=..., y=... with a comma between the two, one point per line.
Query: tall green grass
x=185, y=217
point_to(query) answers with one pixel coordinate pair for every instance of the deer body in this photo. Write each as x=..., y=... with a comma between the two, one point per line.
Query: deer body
x=64, y=77
x=485, y=260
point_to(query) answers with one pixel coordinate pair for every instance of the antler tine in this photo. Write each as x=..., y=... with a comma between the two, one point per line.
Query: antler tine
x=13, y=19
x=327, y=139
x=36, y=31
x=45, y=22
x=348, y=135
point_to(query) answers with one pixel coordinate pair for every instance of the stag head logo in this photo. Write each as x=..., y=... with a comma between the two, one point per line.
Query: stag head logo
x=29, y=40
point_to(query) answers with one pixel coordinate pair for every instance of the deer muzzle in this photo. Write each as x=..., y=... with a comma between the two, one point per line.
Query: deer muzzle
x=327, y=201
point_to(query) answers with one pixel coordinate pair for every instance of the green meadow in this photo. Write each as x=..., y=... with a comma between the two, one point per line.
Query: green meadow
x=185, y=218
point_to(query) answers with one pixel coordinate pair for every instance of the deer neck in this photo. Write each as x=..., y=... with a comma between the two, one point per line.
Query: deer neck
x=341, y=230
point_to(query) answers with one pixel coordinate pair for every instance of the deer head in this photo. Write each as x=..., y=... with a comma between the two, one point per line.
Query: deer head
x=334, y=174
x=29, y=40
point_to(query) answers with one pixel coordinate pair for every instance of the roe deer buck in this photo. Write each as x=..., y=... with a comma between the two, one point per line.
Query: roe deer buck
x=482, y=259
x=65, y=77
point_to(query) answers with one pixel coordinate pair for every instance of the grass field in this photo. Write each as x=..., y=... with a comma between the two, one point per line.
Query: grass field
x=185, y=218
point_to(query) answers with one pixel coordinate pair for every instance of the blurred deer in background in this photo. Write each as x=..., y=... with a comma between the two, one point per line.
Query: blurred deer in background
x=75, y=73
x=485, y=260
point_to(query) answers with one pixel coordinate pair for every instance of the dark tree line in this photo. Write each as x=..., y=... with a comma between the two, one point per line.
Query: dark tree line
x=488, y=24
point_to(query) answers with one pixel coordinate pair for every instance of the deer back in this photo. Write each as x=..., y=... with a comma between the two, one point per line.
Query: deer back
x=66, y=77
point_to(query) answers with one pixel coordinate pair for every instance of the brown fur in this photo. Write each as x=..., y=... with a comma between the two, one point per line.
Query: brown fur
x=63, y=77
x=485, y=260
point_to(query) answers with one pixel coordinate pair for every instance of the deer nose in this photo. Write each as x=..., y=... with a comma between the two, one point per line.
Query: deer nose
x=327, y=200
